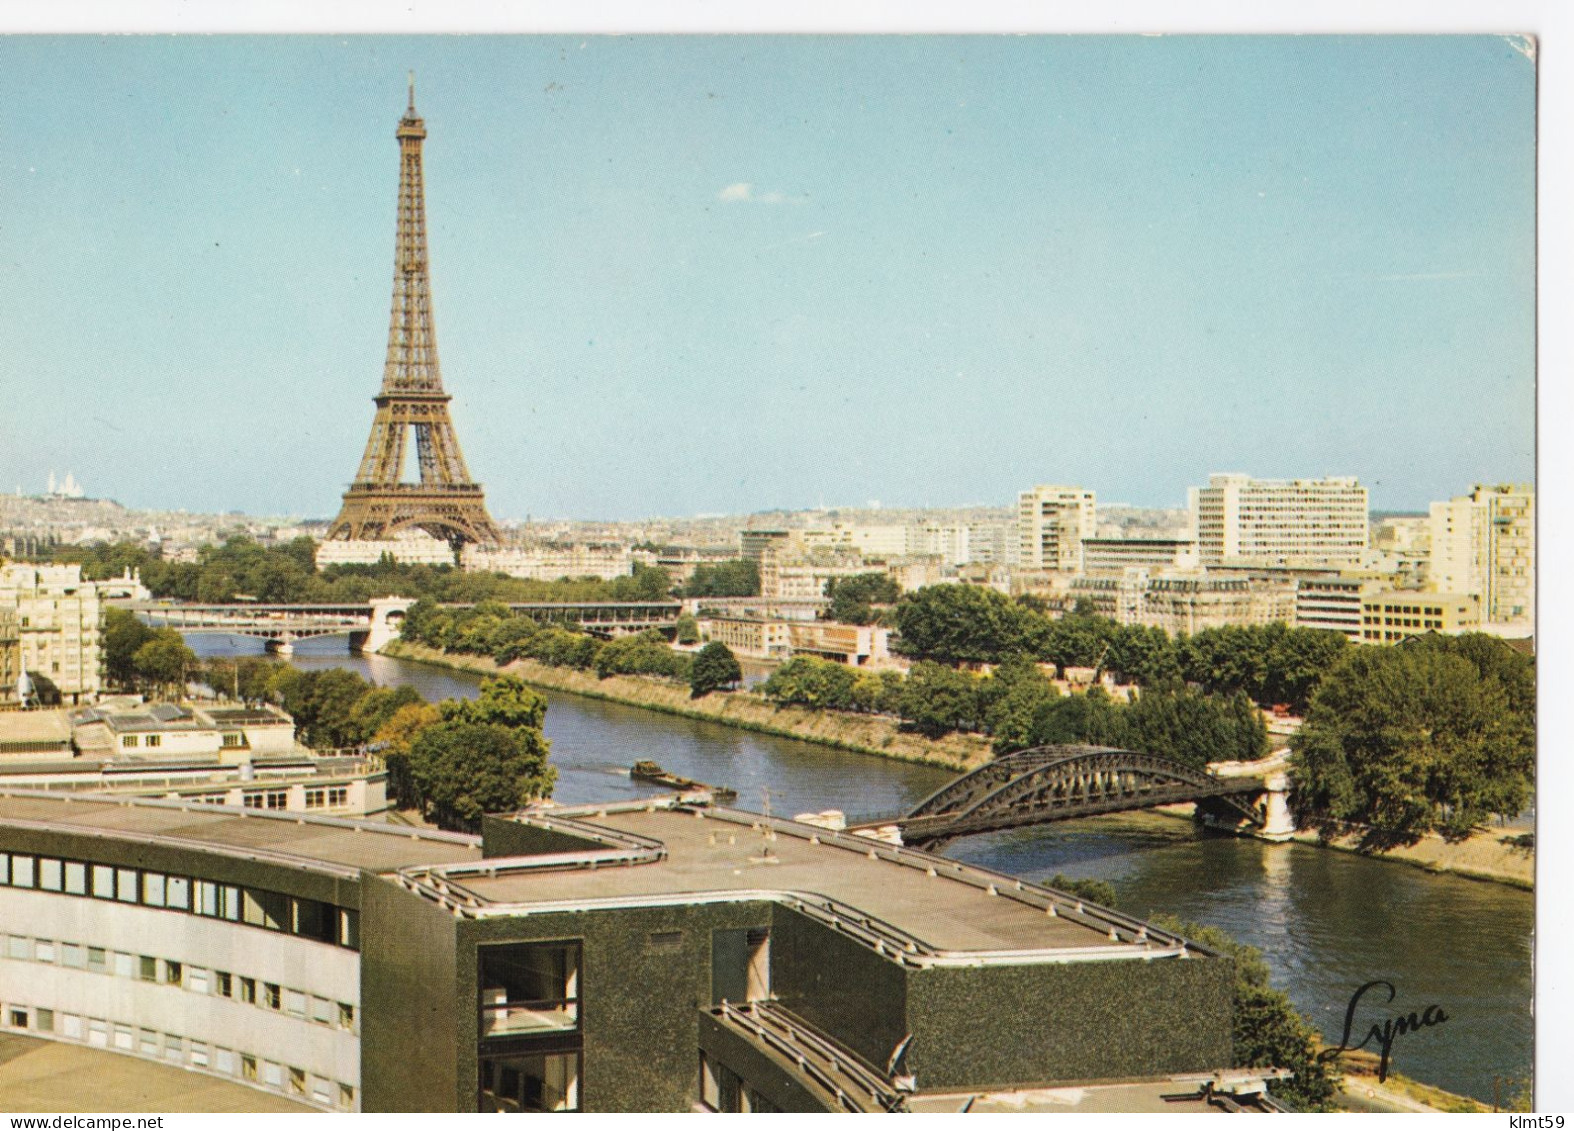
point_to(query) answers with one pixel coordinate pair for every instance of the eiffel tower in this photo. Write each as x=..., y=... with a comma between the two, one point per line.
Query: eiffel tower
x=445, y=503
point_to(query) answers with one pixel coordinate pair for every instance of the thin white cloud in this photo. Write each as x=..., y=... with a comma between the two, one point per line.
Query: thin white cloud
x=795, y=239
x=744, y=193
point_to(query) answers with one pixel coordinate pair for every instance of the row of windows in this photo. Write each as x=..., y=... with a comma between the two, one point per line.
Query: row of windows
x=255, y=907
x=197, y=979
x=173, y=1049
x=1404, y=622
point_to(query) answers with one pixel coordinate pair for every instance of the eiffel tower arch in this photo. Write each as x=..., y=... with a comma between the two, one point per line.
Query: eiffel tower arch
x=445, y=502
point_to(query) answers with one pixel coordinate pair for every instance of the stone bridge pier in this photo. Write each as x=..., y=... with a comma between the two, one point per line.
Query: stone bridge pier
x=387, y=620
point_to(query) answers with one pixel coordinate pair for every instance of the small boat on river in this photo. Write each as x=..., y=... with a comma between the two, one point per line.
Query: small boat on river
x=652, y=772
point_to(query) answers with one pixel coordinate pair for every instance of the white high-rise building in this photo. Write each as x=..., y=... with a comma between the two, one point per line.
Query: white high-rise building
x=1484, y=544
x=1051, y=524
x=1280, y=522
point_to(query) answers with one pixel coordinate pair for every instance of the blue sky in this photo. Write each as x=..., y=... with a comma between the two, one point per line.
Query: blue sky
x=677, y=275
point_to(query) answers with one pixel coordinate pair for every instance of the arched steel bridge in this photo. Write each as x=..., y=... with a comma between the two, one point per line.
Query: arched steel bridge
x=1056, y=783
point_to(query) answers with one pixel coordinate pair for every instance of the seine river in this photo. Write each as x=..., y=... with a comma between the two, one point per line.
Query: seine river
x=1326, y=921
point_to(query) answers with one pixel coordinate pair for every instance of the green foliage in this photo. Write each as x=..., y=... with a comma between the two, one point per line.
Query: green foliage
x=937, y=700
x=1012, y=699
x=714, y=668
x=242, y=567
x=1268, y=1032
x=505, y=700
x=957, y=624
x=688, y=630
x=163, y=661
x=1095, y=891
x=461, y=770
x=646, y=653
x=393, y=741
x=1433, y=736
x=123, y=635
x=739, y=578
x=807, y=682
x=245, y=677
x=852, y=598
x=1188, y=726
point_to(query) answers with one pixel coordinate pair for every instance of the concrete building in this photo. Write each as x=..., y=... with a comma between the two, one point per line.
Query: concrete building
x=1484, y=544
x=1280, y=522
x=169, y=730
x=1334, y=603
x=763, y=638
x=752, y=637
x=1389, y=617
x=1052, y=524
x=1112, y=555
x=753, y=545
x=801, y=577
x=645, y=956
x=884, y=541
x=951, y=542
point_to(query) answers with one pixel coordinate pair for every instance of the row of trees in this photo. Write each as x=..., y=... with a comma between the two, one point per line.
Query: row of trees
x=1434, y=735
x=1021, y=708
x=966, y=624
x=492, y=629
x=243, y=568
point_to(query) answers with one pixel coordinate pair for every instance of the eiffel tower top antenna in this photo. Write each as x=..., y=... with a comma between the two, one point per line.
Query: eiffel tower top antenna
x=412, y=94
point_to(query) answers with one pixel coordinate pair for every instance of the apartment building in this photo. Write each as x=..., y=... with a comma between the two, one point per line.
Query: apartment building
x=58, y=619
x=1393, y=616
x=1484, y=544
x=1052, y=524
x=1280, y=522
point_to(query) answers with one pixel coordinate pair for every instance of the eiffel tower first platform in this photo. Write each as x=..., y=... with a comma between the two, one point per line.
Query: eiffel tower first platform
x=445, y=502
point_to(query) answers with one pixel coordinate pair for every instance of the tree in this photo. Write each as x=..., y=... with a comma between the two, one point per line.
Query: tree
x=817, y=684
x=1414, y=739
x=1013, y=697
x=852, y=598
x=715, y=667
x=738, y=578
x=505, y=700
x=164, y=660
x=688, y=630
x=123, y=635
x=393, y=741
x=1096, y=891
x=1268, y=1031
x=462, y=770
x=956, y=624
x=937, y=700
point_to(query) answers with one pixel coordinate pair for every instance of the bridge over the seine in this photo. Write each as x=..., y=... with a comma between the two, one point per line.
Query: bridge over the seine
x=1058, y=783
x=372, y=624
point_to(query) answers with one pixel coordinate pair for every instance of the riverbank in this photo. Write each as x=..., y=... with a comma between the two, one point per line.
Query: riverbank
x=746, y=710
x=1489, y=856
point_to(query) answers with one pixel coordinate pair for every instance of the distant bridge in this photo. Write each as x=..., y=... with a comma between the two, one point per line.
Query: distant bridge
x=1058, y=783
x=371, y=624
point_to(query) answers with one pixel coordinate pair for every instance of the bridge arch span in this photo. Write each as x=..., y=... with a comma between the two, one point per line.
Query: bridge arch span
x=1051, y=783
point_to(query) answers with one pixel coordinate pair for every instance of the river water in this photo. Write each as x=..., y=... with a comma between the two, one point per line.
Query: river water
x=1327, y=922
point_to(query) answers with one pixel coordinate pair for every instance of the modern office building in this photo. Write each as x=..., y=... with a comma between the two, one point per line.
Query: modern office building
x=659, y=955
x=1280, y=522
x=1484, y=544
x=1334, y=603
x=1052, y=524
x=1111, y=555
x=1395, y=615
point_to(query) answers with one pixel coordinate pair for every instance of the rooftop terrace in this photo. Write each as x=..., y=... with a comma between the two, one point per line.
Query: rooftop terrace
x=919, y=908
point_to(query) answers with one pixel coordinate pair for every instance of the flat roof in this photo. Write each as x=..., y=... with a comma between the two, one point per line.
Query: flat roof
x=314, y=843
x=39, y=1075
x=34, y=726
x=910, y=901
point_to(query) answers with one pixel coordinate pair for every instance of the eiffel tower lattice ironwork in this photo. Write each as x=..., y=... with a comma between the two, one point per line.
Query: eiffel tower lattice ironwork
x=445, y=502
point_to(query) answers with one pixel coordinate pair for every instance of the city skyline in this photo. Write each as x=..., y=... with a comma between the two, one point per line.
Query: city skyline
x=726, y=275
